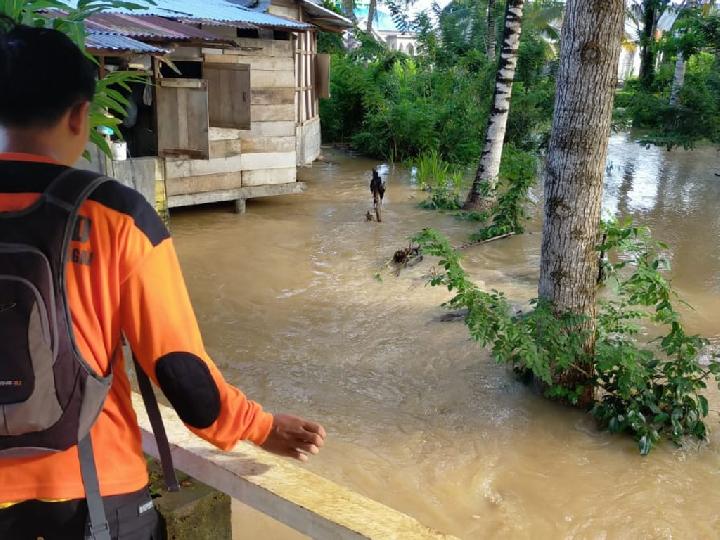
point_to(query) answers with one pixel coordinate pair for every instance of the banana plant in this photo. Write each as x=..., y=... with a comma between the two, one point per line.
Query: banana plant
x=109, y=106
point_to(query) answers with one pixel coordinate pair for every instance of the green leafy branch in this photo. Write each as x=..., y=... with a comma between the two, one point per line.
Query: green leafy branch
x=650, y=389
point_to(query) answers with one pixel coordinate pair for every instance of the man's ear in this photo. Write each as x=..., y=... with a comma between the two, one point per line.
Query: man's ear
x=78, y=117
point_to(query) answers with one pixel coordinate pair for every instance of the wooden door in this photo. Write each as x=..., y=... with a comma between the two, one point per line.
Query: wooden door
x=228, y=95
x=183, y=121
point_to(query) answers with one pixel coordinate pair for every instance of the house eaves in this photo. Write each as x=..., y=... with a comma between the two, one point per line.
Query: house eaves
x=114, y=44
x=148, y=28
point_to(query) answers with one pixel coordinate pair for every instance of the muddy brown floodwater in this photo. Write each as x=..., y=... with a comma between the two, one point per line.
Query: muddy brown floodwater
x=418, y=416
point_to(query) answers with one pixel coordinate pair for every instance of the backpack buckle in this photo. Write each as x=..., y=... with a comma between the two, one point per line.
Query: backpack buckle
x=99, y=531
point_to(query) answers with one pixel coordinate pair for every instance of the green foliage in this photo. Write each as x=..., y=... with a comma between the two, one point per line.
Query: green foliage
x=651, y=390
x=109, y=106
x=343, y=114
x=394, y=107
x=696, y=116
x=530, y=117
x=410, y=110
x=330, y=42
x=514, y=339
x=518, y=172
x=462, y=29
x=443, y=182
x=696, y=30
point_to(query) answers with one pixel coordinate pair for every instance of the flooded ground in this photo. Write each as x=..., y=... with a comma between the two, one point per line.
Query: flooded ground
x=418, y=416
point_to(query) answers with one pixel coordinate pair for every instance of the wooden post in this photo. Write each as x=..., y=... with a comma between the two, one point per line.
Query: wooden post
x=102, y=71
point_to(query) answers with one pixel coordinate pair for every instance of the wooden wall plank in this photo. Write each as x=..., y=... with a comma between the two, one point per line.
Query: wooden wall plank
x=271, y=129
x=274, y=160
x=167, y=118
x=322, y=75
x=200, y=184
x=273, y=96
x=308, y=141
x=268, y=144
x=180, y=168
x=259, y=47
x=273, y=113
x=223, y=134
x=272, y=79
x=225, y=148
x=269, y=177
x=265, y=63
x=183, y=83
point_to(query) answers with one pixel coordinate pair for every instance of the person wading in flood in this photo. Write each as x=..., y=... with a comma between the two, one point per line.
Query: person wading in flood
x=83, y=260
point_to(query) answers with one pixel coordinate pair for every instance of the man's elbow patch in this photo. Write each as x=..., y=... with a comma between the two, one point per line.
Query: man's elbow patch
x=187, y=383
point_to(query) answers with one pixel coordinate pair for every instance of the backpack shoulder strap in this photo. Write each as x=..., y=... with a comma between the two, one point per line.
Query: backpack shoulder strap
x=72, y=187
x=97, y=525
x=69, y=191
x=156, y=421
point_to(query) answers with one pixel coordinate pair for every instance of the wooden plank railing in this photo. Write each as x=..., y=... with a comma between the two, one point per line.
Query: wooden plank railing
x=289, y=493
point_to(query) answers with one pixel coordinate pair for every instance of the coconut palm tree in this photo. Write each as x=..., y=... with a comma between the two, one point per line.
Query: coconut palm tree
x=482, y=193
x=708, y=7
x=372, y=10
x=590, y=50
x=491, y=31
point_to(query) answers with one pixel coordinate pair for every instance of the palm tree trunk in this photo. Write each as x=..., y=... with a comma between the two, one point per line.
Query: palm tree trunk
x=491, y=35
x=482, y=192
x=678, y=79
x=647, y=43
x=590, y=49
x=371, y=15
x=348, y=8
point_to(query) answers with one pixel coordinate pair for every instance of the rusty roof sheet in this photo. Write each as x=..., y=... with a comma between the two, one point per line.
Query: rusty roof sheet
x=149, y=27
x=115, y=43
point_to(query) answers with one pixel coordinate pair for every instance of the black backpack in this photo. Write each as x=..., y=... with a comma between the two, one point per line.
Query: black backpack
x=49, y=396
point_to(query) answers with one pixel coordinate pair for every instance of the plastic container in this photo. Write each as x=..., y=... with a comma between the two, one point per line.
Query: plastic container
x=119, y=150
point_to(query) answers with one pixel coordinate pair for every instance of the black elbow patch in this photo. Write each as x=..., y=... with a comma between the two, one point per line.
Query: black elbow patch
x=187, y=383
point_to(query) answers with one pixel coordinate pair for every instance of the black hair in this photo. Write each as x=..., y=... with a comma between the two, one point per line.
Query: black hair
x=42, y=75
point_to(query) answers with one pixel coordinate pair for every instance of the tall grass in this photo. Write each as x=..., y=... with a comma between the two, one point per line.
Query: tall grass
x=443, y=181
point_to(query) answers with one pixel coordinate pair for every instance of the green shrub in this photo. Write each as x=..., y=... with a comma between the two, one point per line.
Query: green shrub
x=651, y=390
x=390, y=106
x=694, y=118
x=443, y=182
x=518, y=173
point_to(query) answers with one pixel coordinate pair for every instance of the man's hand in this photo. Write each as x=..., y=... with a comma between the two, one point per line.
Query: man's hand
x=294, y=437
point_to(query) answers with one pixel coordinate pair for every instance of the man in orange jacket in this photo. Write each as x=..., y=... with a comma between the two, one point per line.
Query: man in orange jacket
x=122, y=277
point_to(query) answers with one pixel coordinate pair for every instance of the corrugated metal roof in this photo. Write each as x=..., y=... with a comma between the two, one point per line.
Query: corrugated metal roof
x=262, y=20
x=326, y=15
x=112, y=42
x=213, y=10
x=148, y=27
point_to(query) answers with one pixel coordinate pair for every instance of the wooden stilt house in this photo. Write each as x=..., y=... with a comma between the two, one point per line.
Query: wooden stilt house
x=231, y=106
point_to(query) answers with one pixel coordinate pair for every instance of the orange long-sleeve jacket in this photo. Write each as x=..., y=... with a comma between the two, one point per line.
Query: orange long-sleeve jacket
x=123, y=277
